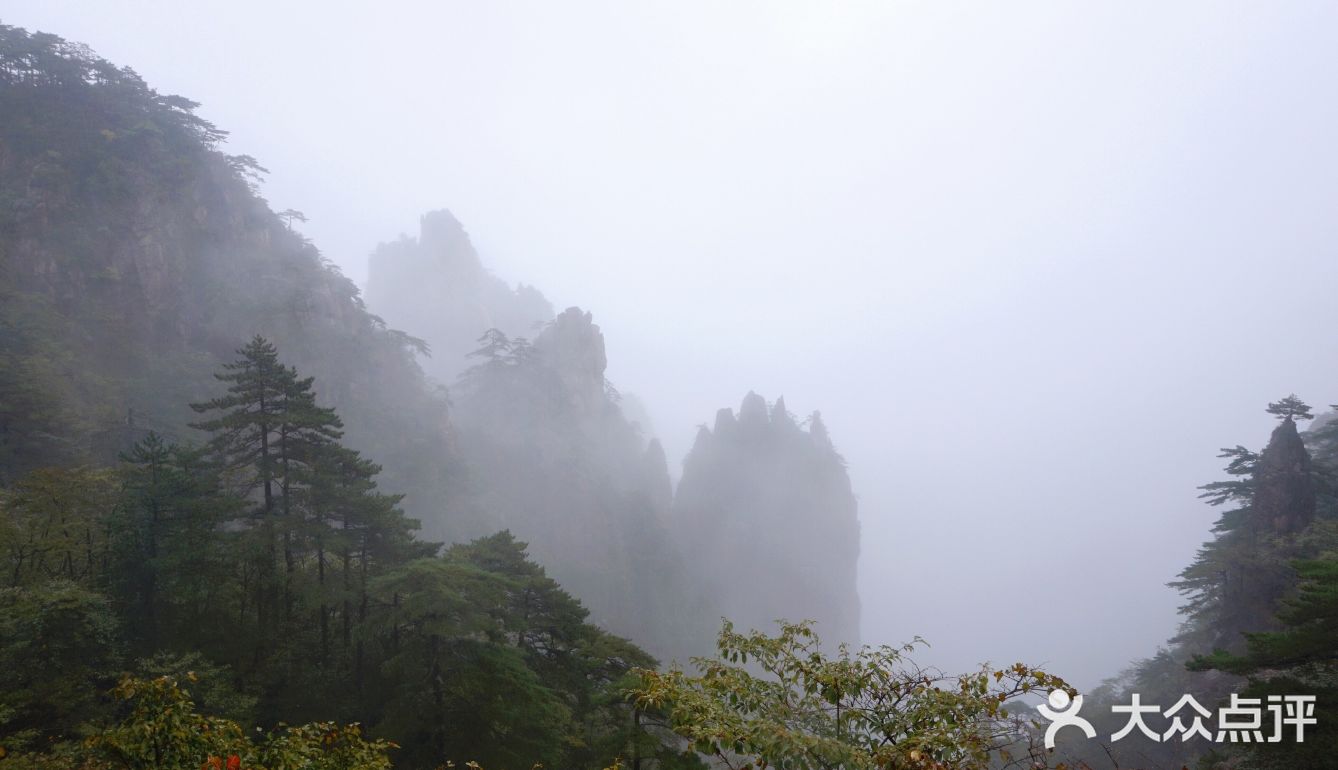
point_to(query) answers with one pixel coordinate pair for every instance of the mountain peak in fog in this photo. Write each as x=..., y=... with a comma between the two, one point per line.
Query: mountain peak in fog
x=760, y=485
x=436, y=287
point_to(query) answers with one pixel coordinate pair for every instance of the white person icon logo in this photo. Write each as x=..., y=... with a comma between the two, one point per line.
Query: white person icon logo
x=1060, y=716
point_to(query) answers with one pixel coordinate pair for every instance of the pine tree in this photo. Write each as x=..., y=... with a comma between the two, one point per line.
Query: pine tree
x=267, y=432
x=1290, y=408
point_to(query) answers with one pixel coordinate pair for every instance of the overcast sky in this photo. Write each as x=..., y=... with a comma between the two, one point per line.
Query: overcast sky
x=1035, y=262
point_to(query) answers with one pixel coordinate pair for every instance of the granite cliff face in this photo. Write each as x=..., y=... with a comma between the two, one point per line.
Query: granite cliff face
x=436, y=287
x=769, y=508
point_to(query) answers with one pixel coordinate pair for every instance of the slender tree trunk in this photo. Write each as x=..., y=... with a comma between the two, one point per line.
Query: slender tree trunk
x=285, y=493
x=151, y=569
x=267, y=564
x=348, y=591
x=325, y=606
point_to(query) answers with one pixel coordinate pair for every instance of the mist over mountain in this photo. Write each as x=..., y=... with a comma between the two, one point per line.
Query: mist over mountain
x=768, y=506
x=138, y=258
x=252, y=516
x=436, y=286
x=552, y=454
x=551, y=457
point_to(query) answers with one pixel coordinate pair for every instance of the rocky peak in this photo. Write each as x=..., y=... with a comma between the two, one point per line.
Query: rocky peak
x=753, y=412
x=573, y=346
x=445, y=240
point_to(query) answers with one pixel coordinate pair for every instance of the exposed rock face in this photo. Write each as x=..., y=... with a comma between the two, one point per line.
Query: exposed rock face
x=436, y=288
x=770, y=513
x=1284, y=497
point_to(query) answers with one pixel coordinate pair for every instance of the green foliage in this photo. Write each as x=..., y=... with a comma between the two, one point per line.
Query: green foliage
x=35, y=403
x=495, y=662
x=781, y=701
x=163, y=730
x=170, y=549
x=268, y=569
x=212, y=686
x=1299, y=659
x=58, y=649
x=56, y=526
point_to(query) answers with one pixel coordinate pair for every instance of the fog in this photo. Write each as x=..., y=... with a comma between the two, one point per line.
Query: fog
x=1035, y=264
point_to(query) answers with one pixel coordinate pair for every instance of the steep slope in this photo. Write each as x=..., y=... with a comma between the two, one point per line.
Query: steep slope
x=135, y=257
x=770, y=506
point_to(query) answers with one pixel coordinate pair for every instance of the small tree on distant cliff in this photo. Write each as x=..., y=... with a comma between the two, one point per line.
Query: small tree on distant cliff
x=289, y=216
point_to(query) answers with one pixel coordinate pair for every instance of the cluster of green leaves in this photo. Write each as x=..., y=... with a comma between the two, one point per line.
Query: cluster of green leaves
x=780, y=701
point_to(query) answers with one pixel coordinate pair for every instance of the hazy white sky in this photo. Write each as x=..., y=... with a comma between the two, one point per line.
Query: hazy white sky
x=1035, y=262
